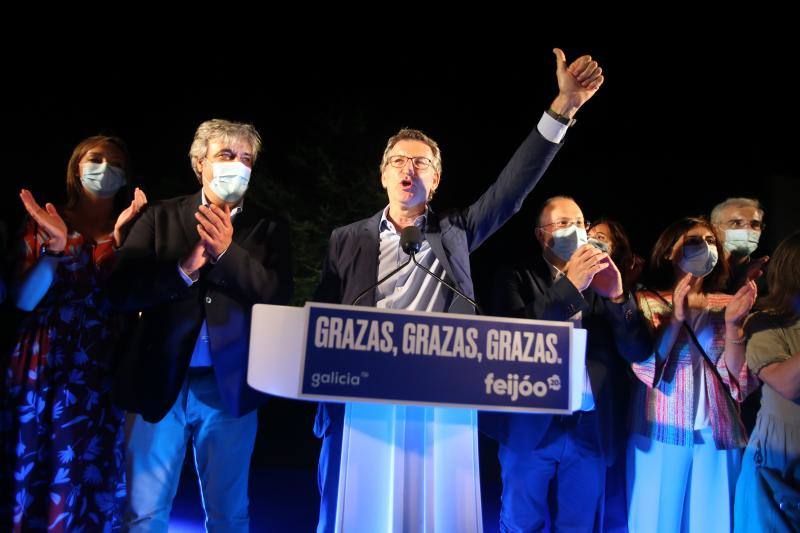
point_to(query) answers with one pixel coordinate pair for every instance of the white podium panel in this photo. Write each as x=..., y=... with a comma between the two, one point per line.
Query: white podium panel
x=409, y=468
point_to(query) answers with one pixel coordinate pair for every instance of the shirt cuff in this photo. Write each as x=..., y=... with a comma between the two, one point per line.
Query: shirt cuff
x=189, y=280
x=551, y=129
x=214, y=261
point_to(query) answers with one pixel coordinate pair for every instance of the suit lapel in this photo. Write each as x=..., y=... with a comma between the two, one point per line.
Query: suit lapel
x=188, y=208
x=543, y=277
x=433, y=234
x=367, y=257
x=243, y=222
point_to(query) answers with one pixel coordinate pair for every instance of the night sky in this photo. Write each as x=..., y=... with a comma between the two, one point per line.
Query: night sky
x=673, y=130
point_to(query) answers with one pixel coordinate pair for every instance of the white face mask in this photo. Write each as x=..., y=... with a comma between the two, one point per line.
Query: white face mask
x=567, y=240
x=699, y=259
x=741, y=241
x=102, y=179
x=230, y=180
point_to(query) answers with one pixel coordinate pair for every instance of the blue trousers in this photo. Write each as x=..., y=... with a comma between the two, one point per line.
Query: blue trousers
x=330, y=456
x=557, y=485
x=222, y=446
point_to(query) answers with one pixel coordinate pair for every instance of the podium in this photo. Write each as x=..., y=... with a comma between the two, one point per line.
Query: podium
x=412, y=384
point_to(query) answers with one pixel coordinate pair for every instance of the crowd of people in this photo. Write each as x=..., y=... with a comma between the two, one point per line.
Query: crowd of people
x=135, y=326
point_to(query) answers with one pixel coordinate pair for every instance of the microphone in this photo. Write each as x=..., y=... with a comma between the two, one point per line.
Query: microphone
x=472, y=302
x=411, y=242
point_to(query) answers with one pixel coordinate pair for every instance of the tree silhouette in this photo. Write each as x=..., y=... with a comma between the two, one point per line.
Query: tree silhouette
x=330, y=178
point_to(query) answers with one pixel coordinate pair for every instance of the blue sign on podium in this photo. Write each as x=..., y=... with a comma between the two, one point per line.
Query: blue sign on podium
x=412, y=383
x=437, y=358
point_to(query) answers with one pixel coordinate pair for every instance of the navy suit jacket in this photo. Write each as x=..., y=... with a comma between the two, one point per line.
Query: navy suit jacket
x=616, y=336
x=351, y=264
x=157, y=349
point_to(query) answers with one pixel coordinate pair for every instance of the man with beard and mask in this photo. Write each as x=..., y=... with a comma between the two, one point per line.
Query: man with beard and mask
x=194, y=266
x=739, y=222
x=548, y=463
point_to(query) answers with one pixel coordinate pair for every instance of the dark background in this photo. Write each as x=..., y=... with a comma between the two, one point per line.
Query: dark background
x=678, y=126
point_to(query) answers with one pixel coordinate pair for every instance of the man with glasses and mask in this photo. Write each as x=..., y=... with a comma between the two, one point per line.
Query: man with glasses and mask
x=739, y=222
x=553, y=467
x=193, y=267
x=363, y=252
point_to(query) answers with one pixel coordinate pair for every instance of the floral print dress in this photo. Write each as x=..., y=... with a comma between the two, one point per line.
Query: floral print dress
x=64, y=439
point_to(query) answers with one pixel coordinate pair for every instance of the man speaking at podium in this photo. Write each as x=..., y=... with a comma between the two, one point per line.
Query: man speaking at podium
x=366, y=251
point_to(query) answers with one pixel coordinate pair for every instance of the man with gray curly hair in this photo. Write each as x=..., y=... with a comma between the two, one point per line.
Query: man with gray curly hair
x=226, y=133
x=192, y=267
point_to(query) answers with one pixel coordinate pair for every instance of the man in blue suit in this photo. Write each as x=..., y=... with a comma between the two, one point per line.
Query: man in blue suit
x=363, y=252
x=193, y=267
x=549, y=463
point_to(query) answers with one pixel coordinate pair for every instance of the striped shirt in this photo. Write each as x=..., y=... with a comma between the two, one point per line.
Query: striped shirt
x=668, y=394
x=411, y=288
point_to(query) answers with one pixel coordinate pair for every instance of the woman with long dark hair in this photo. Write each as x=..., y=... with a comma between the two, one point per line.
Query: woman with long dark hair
x=64, y=436
x=610, y=236
x=686, y=436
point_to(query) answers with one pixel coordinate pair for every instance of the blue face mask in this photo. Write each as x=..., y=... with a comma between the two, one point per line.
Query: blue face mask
x=102, y=179
x=699, y=259
x=230, y=180
x=741, y=241
x=600, y=245
x=567, y=240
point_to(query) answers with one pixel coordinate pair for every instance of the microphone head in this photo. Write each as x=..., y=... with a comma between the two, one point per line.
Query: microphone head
x=411, y=240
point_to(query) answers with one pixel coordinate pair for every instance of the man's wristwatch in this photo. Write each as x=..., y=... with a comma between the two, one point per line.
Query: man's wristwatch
x=569, y=122
x=44, y=250
x=624, y=297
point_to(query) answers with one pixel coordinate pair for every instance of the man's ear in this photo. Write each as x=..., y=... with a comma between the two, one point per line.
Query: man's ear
x=538, y=234
x=198, y=170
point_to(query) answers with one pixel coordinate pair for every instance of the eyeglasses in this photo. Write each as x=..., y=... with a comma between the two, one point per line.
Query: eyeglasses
x=739, y=223
x=565, y=223
x=419, y=162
